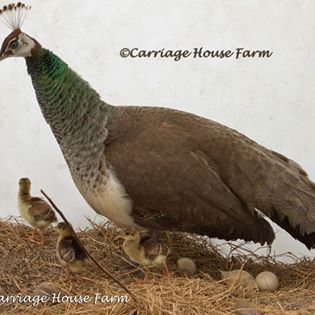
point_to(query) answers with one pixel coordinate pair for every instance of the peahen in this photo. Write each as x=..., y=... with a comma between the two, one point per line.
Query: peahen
x=159, y=168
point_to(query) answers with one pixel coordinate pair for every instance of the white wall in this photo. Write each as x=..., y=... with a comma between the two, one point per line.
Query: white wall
x=270, y=100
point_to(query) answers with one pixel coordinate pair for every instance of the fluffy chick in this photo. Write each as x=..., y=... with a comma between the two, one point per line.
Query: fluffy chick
x=34, y=210
x=69, y=252
x=144, y=250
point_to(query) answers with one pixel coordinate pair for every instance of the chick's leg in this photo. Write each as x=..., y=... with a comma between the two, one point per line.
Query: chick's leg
x=167, y=272
x=30, y=238
x=146, y=273
x=42, y=237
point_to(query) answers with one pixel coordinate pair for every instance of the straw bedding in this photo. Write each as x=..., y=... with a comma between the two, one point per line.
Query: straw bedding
x=29, y=270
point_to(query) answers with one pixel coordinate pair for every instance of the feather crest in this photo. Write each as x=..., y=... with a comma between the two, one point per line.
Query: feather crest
x=13, y=15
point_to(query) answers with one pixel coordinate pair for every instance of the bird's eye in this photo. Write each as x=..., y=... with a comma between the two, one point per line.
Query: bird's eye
x=14, y=44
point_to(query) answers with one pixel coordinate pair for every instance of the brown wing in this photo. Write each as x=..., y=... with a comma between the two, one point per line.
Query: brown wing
x=70, y=250
x=41, y=210
x=282, y=190
x=187, y=173
x=151, y=246
x=174, y=185
x=66, y=251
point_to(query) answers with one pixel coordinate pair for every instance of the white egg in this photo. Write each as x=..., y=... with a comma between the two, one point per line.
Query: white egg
x=267, y=281
x=187, y=265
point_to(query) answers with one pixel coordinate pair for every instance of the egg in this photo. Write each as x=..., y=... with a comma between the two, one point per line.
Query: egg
x=267, y=281
x=239, y=277
x=186, y=265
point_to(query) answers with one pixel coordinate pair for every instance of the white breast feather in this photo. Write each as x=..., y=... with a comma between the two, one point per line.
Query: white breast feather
x=113, y=202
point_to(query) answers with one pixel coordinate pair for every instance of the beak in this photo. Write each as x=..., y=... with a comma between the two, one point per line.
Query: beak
x=3, y=55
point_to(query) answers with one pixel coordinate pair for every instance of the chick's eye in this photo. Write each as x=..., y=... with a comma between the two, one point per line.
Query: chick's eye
x=14, y=44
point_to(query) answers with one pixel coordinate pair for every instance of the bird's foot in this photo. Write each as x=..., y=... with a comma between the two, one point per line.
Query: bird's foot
x=144, y=280
x=166, y=270
x=32, y=239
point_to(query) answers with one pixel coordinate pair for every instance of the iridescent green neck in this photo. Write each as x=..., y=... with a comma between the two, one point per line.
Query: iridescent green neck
x=59, y=89
x=74, y=111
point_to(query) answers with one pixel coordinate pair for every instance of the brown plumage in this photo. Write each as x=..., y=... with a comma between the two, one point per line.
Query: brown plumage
x=34, y=210
x=187, y=173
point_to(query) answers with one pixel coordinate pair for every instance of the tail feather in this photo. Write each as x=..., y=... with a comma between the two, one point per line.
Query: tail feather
x=295, y=230
x=291, y=200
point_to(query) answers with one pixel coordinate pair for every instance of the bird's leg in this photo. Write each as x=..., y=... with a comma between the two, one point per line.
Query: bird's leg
x=167, y=272
x=146, y=273
x=42, y=237
x=31, y=238
x=33, y=235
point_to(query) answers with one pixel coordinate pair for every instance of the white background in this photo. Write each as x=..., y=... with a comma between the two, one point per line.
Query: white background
x=270, y=100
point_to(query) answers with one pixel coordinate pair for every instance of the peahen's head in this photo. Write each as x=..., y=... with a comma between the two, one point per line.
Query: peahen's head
x=17, y=43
